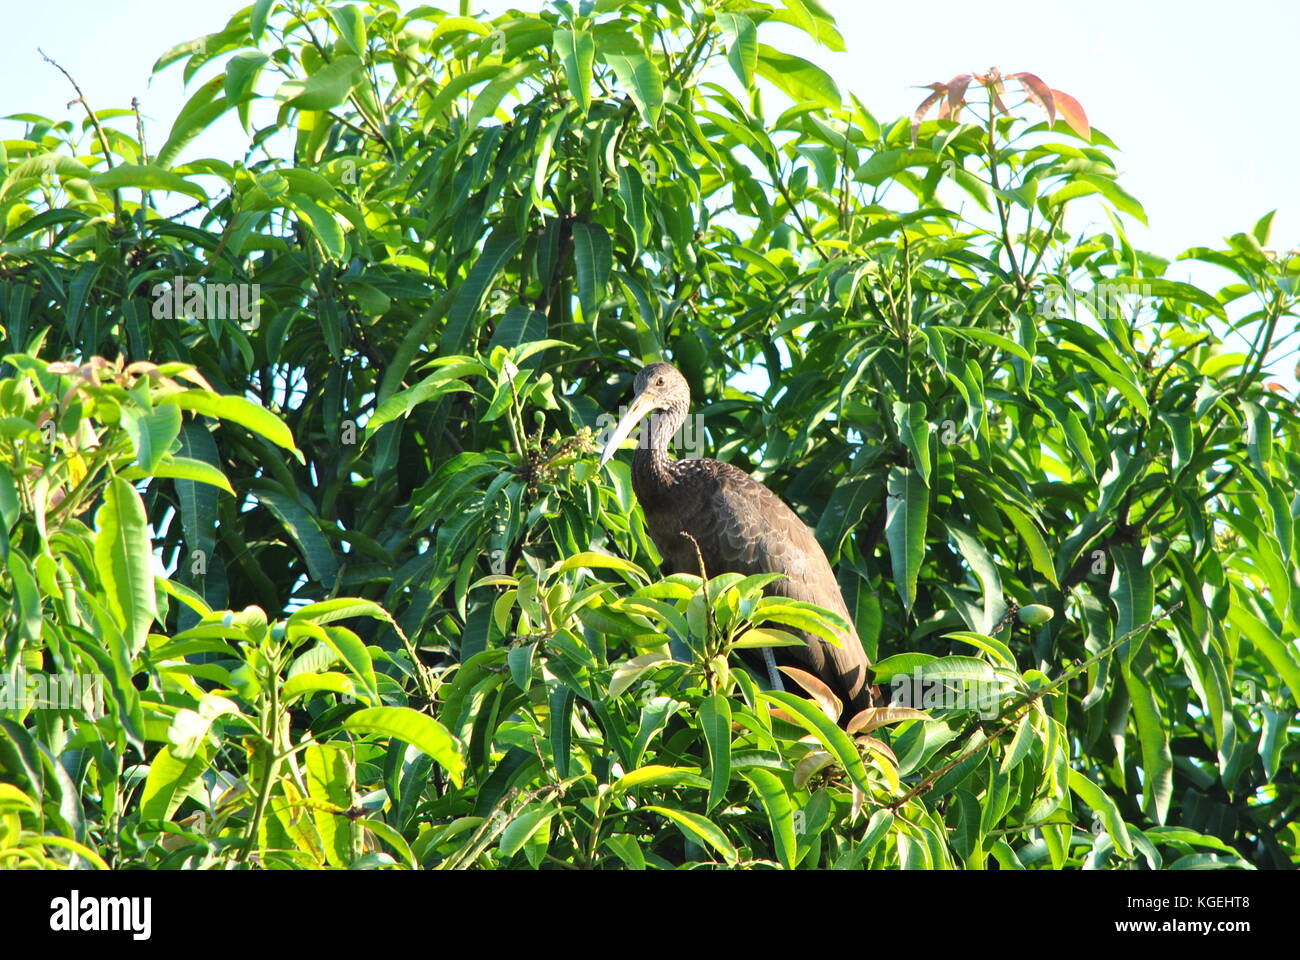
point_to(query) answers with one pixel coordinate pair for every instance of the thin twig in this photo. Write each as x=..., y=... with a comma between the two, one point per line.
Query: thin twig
x=94, y=122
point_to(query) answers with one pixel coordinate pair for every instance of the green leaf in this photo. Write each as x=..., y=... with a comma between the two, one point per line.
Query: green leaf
x=715, y=722
x=982, y=566
x=418, y=729
x=1278, y=653
x=988, y=336
x=237, y=410
x=183, y=468
x=698, y=828
x=1108, y=374
x=26, y=599
x=780, y=813
x=628, y=672
x=628, y=849
x=1132, y=590
x=1020, y=745
x=812, y=18
x=956, y=668
x=596, y=560
x=242, y=71
x=457, y=86
x=321, y=221
x=1077, y=440
x=529, y=820
x=914, y=430
x=486, y=103
x=1263, y=228
x=1157, y=762
x=990, y=645
x=147, y=178
x=593, y=258
x=884, y=164
x=152, y=433
x=302, y=528
x=351, y=25
x=1120, y=198
x=257, y=19
x=796, y=77
x=392, y=838
x=577, y=51
x=906, y=512
x=836, y=741
x=1210, y=861
x=742, y=53
x=638, y=75
x=168, y=781
x=339, y=608
x=498, y=249
x=877, y=829
x=189, y=728
x=1104, y=806
x=305, y=684
x=900, y=664
x=1259, y=437
x=437, y=384
x=631, y=197
x=124, y=558
x=967, y=836
x=204, y=107
x=1039, y=556
x=655, y=775
x=560, y=723
x=326, y=88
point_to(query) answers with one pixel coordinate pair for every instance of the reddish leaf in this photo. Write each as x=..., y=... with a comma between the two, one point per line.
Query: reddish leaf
x=813, y=762
x=956, y=95
x=877, y=746
x=829, y=703
x=940, y=91
x=1038, y=92
x=1073, y=114
x=873, y=717
x=992, y=81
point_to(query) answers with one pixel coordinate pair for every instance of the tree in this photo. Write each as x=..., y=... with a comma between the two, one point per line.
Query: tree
x=1060, y=509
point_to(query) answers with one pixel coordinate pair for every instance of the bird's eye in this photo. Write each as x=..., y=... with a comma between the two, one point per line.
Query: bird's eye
x=659, y=382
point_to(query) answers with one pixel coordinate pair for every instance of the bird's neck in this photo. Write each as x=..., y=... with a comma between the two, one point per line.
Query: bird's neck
x=653, y=470
x=653, y=477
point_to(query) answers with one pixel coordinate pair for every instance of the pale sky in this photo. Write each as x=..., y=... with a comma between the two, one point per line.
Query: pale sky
x=1199, y=96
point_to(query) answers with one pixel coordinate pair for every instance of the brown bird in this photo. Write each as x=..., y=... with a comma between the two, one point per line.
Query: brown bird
x=741, y=527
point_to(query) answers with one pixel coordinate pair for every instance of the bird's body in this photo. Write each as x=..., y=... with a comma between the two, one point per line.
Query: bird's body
x=740, y=526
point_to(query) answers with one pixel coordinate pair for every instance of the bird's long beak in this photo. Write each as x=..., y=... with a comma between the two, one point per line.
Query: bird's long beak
x=641, y=405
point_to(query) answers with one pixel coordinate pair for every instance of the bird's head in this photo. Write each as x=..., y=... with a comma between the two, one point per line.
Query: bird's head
x=659, y=388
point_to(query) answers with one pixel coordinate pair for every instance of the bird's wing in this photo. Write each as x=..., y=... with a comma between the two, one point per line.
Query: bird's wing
x=749, y=529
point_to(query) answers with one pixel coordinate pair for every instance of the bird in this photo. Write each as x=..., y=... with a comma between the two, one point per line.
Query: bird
x=740, y=526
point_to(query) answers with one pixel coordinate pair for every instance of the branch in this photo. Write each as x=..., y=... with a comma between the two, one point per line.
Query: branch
x=1021, y=708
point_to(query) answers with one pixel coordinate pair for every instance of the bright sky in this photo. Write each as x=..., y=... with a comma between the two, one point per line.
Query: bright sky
x=1199, y=96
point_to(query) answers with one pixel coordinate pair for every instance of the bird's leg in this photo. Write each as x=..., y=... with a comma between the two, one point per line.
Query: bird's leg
x=773, y=677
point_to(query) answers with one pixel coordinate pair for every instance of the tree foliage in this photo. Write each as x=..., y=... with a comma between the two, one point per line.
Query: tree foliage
x=1060, y=504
